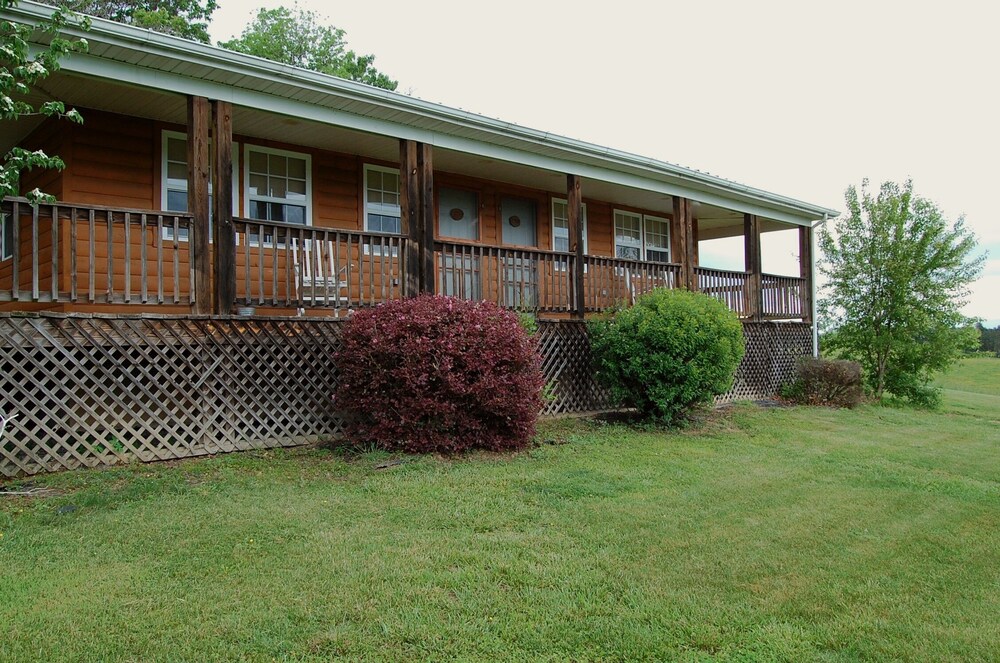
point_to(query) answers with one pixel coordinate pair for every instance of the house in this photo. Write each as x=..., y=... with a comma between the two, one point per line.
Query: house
x=334, y=194
x=206, y=183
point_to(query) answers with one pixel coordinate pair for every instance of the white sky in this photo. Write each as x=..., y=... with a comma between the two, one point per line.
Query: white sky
x=797, y=98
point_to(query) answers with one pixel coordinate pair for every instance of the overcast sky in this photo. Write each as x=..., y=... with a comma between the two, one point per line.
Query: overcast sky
x=797, y=98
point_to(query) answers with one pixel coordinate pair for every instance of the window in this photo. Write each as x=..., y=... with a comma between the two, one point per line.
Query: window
x=628, y=235
x=657, y=232
x=174, y=182
x=175, y=172
x=458, y=213
x=6, y=237
x=641, y=237
x=278, y=186
x=382, y=211
x=560, y=226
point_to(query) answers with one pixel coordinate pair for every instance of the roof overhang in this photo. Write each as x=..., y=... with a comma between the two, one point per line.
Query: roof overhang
x=140, y=57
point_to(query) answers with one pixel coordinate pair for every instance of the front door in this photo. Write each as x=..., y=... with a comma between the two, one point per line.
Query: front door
x=520, y=277
x=518, y=215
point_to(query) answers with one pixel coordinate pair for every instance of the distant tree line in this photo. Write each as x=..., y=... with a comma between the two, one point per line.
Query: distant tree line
x=989, y=339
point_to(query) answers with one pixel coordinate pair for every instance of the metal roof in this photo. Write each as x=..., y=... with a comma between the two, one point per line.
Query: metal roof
x=144, y=57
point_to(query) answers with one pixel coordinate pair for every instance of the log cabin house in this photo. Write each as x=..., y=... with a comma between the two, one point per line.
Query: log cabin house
x=208, y=181
x=219, y=213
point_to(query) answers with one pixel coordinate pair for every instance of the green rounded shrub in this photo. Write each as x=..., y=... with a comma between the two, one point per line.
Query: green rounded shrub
x=670, y=352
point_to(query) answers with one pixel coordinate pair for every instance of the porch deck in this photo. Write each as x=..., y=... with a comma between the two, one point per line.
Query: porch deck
x=70, y=258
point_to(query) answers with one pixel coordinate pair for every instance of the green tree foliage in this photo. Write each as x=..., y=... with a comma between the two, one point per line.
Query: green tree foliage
x=670, y=352
x=898, y=273
x=19, y=71
x=300, y=38
x=181, y=18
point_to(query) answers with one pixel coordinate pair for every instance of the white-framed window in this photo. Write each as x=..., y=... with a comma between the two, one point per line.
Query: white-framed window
x=560, y=225
x=382, y=200
x=174, y=179
x=6, y=237
x=656, y=238
x=278, y=185
x=641, y=237
x=628, y=235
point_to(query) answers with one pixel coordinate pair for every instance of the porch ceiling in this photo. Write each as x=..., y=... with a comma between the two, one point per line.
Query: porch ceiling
x=101, y=94
x=718, y=222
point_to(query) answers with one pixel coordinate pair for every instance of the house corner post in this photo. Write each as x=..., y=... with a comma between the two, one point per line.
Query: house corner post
x=198, y=173
x=425, y=166
x=685, y=253
x=806, y=273
x=574, y=211
x=751, y=252
x=409, y=189
x=222, y=208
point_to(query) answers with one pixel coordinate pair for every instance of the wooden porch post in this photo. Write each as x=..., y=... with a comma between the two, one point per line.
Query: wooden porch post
x=409, y=199
x=416, y=185
x=685, y=242
x=696, y=259
x=574, y=219
x=198, y=160
x=806, y=272
x=222, y=208
x=425, y=164
x=751, y=252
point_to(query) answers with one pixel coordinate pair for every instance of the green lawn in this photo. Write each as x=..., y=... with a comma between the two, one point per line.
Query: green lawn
x=777, y=534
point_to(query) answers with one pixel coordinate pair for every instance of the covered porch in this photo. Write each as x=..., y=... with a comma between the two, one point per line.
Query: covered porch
x=208, y=182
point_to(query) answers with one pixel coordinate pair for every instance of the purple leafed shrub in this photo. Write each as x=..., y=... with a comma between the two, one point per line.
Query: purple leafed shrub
x=438, y=374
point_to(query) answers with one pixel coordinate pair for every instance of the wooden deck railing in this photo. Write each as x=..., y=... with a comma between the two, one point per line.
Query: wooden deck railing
x=524, y=279
x=612, y=282
x=732, y=288
x=93, y=254
x=286, y=265
x=61, y=253
x=784, y=297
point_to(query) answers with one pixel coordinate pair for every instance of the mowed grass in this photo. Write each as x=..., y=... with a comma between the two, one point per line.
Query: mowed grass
x=777, y=534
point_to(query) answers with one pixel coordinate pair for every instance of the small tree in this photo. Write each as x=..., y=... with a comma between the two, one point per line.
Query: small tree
x=19, y=71
x=898, y=273
x=670, y=352
x=182, y=18
x=300, y=38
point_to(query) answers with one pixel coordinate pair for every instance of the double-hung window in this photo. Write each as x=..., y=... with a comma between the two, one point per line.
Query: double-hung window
x=174, y=179
x=656, y=238
x=278, y=185
x=641, y=237
x=382, y=210
x=628, y=235
x=560, y=226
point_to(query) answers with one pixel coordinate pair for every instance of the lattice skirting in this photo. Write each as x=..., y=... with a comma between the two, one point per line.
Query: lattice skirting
x=89, y=390
x=772, y=350
x=565, y=351
x=769, y=363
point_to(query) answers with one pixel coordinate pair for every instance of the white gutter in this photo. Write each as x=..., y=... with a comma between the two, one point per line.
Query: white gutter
x=812, y=281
